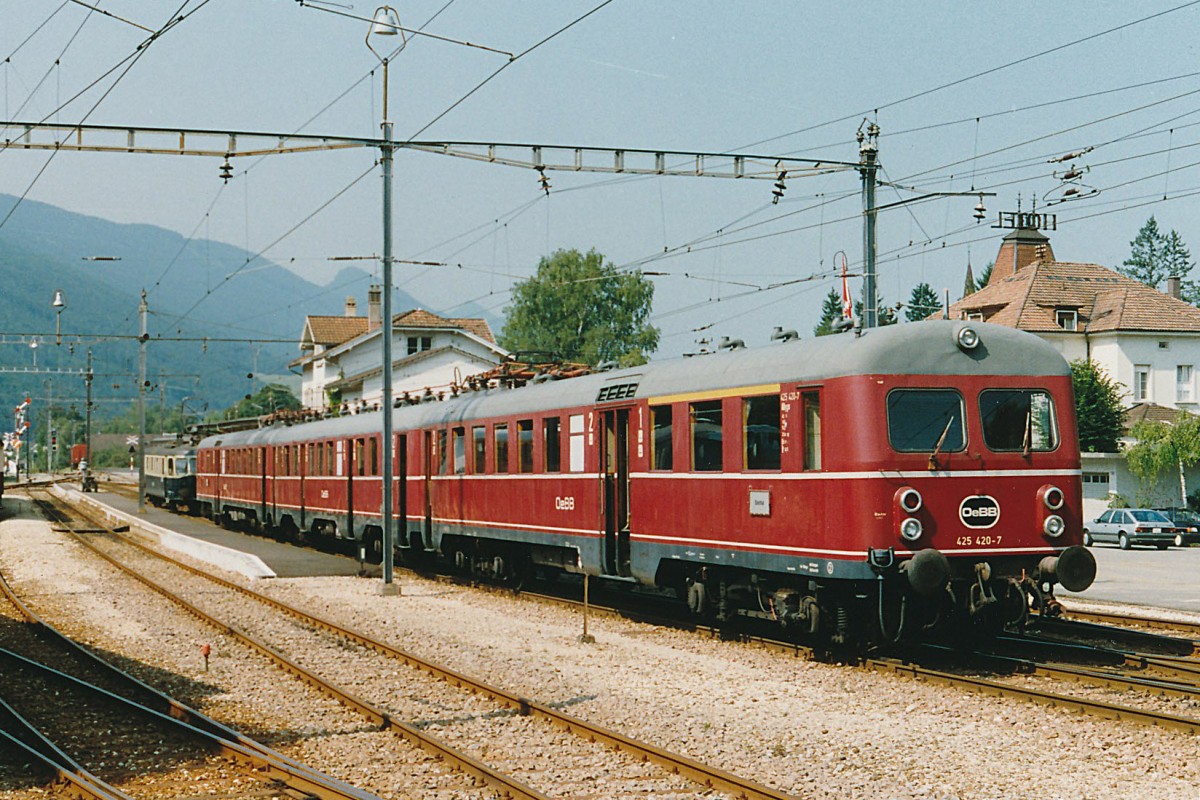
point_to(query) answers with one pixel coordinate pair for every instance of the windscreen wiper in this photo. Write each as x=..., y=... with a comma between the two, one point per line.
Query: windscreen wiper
x=937, y=448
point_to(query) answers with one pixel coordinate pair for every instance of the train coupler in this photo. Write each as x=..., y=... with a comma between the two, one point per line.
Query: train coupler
x=981, y=595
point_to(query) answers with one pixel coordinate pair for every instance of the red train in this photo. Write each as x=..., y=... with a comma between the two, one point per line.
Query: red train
x=860, y=487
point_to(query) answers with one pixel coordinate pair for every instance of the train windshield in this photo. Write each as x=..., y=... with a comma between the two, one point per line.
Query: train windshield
x=185, y=466
x=1018, y=419
x=926, y=420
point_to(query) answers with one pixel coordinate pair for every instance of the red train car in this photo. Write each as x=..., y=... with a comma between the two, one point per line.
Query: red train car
x=860, y=486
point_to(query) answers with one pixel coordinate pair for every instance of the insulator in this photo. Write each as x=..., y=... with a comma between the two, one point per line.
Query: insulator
x=980, y=210
x=226, y=171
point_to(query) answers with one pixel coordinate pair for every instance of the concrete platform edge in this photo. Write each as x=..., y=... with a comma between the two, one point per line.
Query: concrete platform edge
x=224, y=557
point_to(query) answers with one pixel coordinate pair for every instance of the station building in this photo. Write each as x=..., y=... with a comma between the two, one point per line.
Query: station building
x=342, y=357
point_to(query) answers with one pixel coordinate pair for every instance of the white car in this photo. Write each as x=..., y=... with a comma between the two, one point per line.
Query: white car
x=1129, y=526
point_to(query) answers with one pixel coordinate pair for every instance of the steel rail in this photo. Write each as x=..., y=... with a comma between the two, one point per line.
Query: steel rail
x=1108, y=617
x=984, y=686
x=50, y=758
x=262, y=767
x=511, y=787
x=166, y=704
x=696, y=771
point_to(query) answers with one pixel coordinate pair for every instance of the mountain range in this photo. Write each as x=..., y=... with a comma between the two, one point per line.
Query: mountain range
x=207, y=332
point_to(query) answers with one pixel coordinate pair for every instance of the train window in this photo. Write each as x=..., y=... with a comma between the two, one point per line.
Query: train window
x=308, y=459
x=706, y=436
x=811, y=406
x=1018, y=419
x=661, y=448
x=926, y=420
x=443, y=453
x=458, y=438
x=575, y=431
x=524, y=445
x=320, y=462
x=552, y=439
x=500, y=434
x=760, y=432
x=360, y=461
x=479, y=448
x=373, y=456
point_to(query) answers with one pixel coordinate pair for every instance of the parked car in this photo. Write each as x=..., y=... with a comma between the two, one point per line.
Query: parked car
x=1188, y=520
x=1130, y=526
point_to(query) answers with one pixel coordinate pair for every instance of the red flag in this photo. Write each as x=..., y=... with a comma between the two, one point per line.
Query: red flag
x=847, y=304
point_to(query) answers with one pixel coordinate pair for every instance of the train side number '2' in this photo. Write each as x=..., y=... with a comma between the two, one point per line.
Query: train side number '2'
x=978, y=541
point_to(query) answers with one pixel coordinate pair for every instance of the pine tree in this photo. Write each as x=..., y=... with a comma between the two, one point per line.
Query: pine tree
x=922, y=303
x=1098, y=407
x=1145, y=262
x=985, y=276
x=831, y=312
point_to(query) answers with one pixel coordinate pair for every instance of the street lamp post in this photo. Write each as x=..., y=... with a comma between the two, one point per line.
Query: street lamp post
x=143, y=310
x=58, y=305
x=386, y=23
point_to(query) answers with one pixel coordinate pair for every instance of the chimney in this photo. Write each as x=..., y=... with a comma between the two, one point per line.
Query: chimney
x=351, y=307
x=1173, y=286
x=374, y=300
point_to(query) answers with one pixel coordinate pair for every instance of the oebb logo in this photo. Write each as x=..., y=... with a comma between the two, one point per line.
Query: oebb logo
x=979, y=511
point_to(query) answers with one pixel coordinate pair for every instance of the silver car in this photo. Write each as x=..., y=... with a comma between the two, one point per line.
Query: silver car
x=1130, y=526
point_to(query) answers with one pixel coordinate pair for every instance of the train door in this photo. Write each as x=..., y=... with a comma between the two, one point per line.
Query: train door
x=614, y=468
x=427, y=458
x=348, y=444
x=400, y=490
x=262, y=486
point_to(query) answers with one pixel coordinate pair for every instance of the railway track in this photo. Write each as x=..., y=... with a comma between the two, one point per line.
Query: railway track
x=94, y=727
x=1150, y=676
x=518, y=728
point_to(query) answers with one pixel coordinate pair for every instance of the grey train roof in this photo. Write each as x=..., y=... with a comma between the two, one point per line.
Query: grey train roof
x=923, y=348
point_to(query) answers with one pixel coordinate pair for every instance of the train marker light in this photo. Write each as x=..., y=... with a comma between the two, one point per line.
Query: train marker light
x=910, y=500
x=1053, y=526
x=967, y=338
x=911, y=529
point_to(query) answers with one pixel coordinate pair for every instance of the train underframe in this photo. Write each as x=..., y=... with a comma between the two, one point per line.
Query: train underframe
x=925, y=596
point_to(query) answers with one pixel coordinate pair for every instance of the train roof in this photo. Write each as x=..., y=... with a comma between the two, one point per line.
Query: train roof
x=923, y=348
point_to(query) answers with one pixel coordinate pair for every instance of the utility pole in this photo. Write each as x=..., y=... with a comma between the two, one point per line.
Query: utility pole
x=87, y=422
x=389, y=526
x=868, y=154
x=50, y=425
x=143, y=311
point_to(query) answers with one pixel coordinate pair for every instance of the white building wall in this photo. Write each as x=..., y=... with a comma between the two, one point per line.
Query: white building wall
x=1112, y=466
x=1120, y=354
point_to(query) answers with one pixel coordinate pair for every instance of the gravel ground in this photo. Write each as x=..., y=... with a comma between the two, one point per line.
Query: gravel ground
x=815, y=730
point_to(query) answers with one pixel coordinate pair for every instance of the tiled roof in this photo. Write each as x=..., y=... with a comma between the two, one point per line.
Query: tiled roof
x=1151, y=412
x=331, y=331
x=1104, y=299
x=420, y=318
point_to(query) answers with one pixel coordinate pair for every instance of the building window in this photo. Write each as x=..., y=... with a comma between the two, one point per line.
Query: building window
x=1067, y=319
x=1141, y=383
x=661, y=454
x=1096, y=477
x=760, y=432
x=974, y=316
x=552, y=439
x=1183, y=383
x=706, y=436
x=418, y=343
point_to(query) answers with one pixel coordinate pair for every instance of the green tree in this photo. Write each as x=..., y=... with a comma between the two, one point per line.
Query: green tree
x=1164, y=448
x=922, y=303
x=1155, y=256
x=831, y=312
x=1098, y=408
x=272, y=397
x=985, y=276
x=582, y=309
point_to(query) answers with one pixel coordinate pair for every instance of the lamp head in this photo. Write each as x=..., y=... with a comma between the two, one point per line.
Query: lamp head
x=60, y=302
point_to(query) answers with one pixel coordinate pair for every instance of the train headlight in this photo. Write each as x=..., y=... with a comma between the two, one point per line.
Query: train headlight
x=911, y=529
x=1053, y=526
x=909, y=499
x=1052, y=497
x=966, y=338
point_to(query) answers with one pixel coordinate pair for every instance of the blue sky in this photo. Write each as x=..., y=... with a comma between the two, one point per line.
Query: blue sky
x=1023, y=83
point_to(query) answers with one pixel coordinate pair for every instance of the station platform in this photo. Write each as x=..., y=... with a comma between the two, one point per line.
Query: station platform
x=247, y=554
